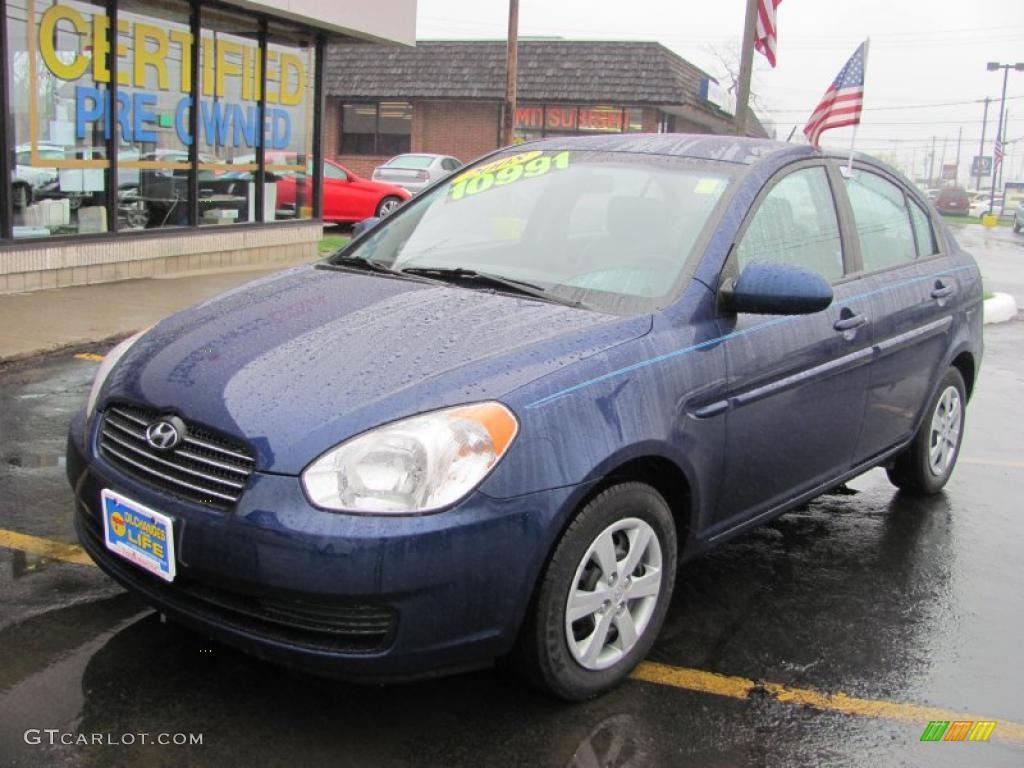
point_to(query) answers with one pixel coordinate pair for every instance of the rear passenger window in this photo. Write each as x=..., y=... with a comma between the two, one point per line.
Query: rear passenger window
x=922, y=231
x=796, y=224
x=883, y=226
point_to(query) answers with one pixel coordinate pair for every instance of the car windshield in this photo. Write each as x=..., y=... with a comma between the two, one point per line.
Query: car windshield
x=410, y=161
x=610, y=230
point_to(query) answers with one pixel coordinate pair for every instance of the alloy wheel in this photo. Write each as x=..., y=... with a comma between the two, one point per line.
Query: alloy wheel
x=944, y=435
x=613, y=594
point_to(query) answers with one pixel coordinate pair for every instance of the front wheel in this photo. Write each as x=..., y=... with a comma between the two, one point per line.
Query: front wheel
x=925, y=466
x=387, y=205
x=604, y=594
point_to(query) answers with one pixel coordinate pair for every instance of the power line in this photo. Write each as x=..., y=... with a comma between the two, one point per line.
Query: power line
x=903, y=106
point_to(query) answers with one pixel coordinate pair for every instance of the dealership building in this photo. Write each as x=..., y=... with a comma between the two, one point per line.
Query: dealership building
x=446, y=96
x=145, y=137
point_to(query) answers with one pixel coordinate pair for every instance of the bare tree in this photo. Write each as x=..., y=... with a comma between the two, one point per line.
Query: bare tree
x=727, y=57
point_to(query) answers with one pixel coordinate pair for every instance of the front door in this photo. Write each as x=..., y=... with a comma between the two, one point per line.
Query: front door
x=797, y=384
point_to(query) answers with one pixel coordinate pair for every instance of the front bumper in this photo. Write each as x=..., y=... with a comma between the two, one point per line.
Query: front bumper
x=342, y=595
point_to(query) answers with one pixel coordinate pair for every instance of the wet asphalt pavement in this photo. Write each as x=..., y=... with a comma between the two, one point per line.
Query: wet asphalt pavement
x=865, y=592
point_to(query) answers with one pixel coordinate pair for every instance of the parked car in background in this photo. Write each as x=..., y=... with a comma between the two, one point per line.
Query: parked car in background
x=348, y=197
x=495, y=423
x=415, y=172
x=27, y=178
x=953, y=201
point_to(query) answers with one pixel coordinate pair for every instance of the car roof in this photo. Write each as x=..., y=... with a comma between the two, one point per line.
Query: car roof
x=731, y=149
x=418, y=154
x=700, y=146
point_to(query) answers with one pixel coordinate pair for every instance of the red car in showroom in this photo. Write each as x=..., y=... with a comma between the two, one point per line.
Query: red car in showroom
x=348, y=197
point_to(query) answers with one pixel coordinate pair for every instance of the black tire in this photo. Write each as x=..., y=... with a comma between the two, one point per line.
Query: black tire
x=912, y=470
x=543, y=651
x=387, y=205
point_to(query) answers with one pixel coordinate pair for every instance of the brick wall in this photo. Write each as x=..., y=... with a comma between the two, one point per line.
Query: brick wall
x=464, y=129
x=33, y=265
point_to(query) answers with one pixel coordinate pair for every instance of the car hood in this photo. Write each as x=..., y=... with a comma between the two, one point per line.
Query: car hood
x=300, y=361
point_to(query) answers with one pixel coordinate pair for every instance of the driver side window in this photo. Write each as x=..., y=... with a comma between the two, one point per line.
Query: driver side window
x=796, y=224
x=331, y=172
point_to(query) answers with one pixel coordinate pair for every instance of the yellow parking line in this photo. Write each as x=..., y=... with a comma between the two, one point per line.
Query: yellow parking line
x=54, y=550
x=92, y=357
x=661, y=674
x=742, y=687
x=694, y=680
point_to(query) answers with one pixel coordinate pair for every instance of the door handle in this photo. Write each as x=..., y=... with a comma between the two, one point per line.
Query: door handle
x=844, y=324
x=943, y=291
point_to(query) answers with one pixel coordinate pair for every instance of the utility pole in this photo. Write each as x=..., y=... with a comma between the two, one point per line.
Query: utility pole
x=959, y=137
x=942, y=162
x=931, y=165
x=981, y=149
x=511, y=67
x=746, y=67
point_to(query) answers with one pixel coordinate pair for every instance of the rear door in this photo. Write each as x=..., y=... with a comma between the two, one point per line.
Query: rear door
x=797, y=384
x=911, y=286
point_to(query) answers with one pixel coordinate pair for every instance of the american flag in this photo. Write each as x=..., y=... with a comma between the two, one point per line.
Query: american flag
x=767, y=32
x=843, y=101
x=997, y=152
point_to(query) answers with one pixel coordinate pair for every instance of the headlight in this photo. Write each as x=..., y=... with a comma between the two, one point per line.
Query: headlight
x=417, y=464
x=105, y=368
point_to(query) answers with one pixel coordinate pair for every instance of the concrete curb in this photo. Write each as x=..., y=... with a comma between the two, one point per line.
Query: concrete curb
x=1000, y=308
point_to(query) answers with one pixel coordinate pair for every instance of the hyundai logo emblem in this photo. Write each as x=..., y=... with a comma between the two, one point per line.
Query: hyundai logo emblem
x=166, y=433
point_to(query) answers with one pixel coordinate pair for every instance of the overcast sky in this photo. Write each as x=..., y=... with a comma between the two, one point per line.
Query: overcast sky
x=922, y=53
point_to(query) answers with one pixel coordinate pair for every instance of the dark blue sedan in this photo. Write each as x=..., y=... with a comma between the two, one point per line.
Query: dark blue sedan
x=495, y=423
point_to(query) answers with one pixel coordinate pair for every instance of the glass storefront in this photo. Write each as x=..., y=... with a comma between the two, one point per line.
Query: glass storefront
x=100, y=121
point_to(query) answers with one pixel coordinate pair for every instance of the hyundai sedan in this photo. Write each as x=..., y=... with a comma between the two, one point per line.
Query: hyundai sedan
x=495, y=423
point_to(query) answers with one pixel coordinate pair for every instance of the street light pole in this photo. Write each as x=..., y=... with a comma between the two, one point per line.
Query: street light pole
x=994, y=66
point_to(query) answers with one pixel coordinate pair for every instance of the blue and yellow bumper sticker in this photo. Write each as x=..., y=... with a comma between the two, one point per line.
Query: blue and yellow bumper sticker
x=138, y=534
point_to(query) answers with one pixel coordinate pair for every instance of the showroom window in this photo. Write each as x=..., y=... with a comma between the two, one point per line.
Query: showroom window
x=381, y=128
x=102, y=142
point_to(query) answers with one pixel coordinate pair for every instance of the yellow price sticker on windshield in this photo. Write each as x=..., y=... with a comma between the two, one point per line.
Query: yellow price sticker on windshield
x=507, y=170
x=708, y=187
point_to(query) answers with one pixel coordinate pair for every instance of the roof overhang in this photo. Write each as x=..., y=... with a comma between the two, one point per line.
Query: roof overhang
x=390, y=22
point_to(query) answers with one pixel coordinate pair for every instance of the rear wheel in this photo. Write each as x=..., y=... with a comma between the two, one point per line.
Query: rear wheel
x=387, y=205
x=604, y=594
x=927, y=463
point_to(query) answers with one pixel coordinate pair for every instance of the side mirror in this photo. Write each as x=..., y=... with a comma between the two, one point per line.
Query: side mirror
x=362, y=226
x=777, y=289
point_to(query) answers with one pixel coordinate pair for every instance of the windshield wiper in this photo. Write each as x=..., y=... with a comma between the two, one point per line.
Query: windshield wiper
x=356, y=262
x=461, y=274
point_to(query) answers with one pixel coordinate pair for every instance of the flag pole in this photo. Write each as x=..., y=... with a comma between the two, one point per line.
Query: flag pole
x=746, y=68
x=853, y=139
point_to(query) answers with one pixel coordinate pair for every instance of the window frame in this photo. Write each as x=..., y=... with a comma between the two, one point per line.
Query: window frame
x=7, y=240
x=730, y=270
x=839, y=170
x=376, y=128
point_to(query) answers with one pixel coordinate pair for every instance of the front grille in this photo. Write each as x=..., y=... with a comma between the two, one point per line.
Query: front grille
x=318, y=624
x=206, y=467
